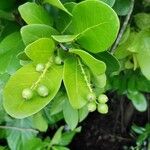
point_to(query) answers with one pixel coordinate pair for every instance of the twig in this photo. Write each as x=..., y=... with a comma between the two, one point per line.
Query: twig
x=19, y=129
x=124, y=26
x=63, y=47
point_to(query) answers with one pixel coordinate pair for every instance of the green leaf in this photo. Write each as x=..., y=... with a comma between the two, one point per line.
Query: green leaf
x=111, y=62
x=33, y=144
x=109, y=2
x=41, y=50
x=57, y=103
x=137, y=129
x=57, y=136
x=33, y=32
x=64, y=19
x=143, y=52
x=70, y=115
x=83, y=113
x=138, y=100
x=26, y=77
x=40, y=122
x=97, y=31
x=59, y=148
x=6, y=15
x=20, y=137
x=58, y=4
x=9, y=48
x=122, y=7
x=64, y=38
x=96, y=66
x=67, y=137
x=76, y=87
x=142, y=20
x=35, y=14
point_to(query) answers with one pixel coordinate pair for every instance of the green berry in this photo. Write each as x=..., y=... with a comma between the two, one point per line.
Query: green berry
x=102, y=99
x=58, y=60
x=102, y=108
x=91, y=106
x=40, y=67
x=43, y=90
x=91, y=97
x=27, y=93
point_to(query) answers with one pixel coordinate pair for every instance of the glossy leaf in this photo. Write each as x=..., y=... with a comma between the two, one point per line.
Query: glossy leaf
x=13, y=102
x=9, y=48
x=58, y=4
x=64, y=38
x=40, y=122
x=57, y=103
x=109, y=2
x=122, y=7
x=96, y=66
x=70, y=115
x=33, y=32
x=41, y=50
x=76, y=87
x=57, y=136
x=97, y=31
x=110, y=60
x=34, y=14
x=138, y=100
x=143, y=49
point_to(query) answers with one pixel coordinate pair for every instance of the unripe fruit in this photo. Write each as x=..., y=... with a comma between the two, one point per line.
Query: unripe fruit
x=43, y=90
x=91, y=97
x=102, y=99
x=57, y=60
x=91, y=106
x=40, y=67
x=102, y=108
x=27, y=93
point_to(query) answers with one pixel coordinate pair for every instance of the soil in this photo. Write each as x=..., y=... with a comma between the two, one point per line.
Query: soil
x=111, y=131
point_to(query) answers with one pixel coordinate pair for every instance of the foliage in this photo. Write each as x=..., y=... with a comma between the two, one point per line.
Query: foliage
x=56, y=64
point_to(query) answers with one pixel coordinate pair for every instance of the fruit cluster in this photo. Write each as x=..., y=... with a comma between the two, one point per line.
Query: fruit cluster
x=97, y=103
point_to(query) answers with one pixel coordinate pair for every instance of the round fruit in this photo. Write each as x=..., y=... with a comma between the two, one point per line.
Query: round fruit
x=58, y=60
x=27, y=93
x=91, y=106
x=102, y=108
x=43, y=90
x=40, y=67
x=102, y=99
x=91, y=97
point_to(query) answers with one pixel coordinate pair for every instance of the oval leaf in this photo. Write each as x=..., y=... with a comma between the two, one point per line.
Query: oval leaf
x=76, y=87
x=18, y=107
x=58, y=4
x=97, y=31
x=34, y=14
x=33, y=32
x=138, y=101
x=41, y=50
x=96, y=66
x=69, y=111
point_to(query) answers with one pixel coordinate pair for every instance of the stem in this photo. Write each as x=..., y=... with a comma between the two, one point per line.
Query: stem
x=85, y=77
x=124, y=26
x=19, y=129
x=48, y=64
